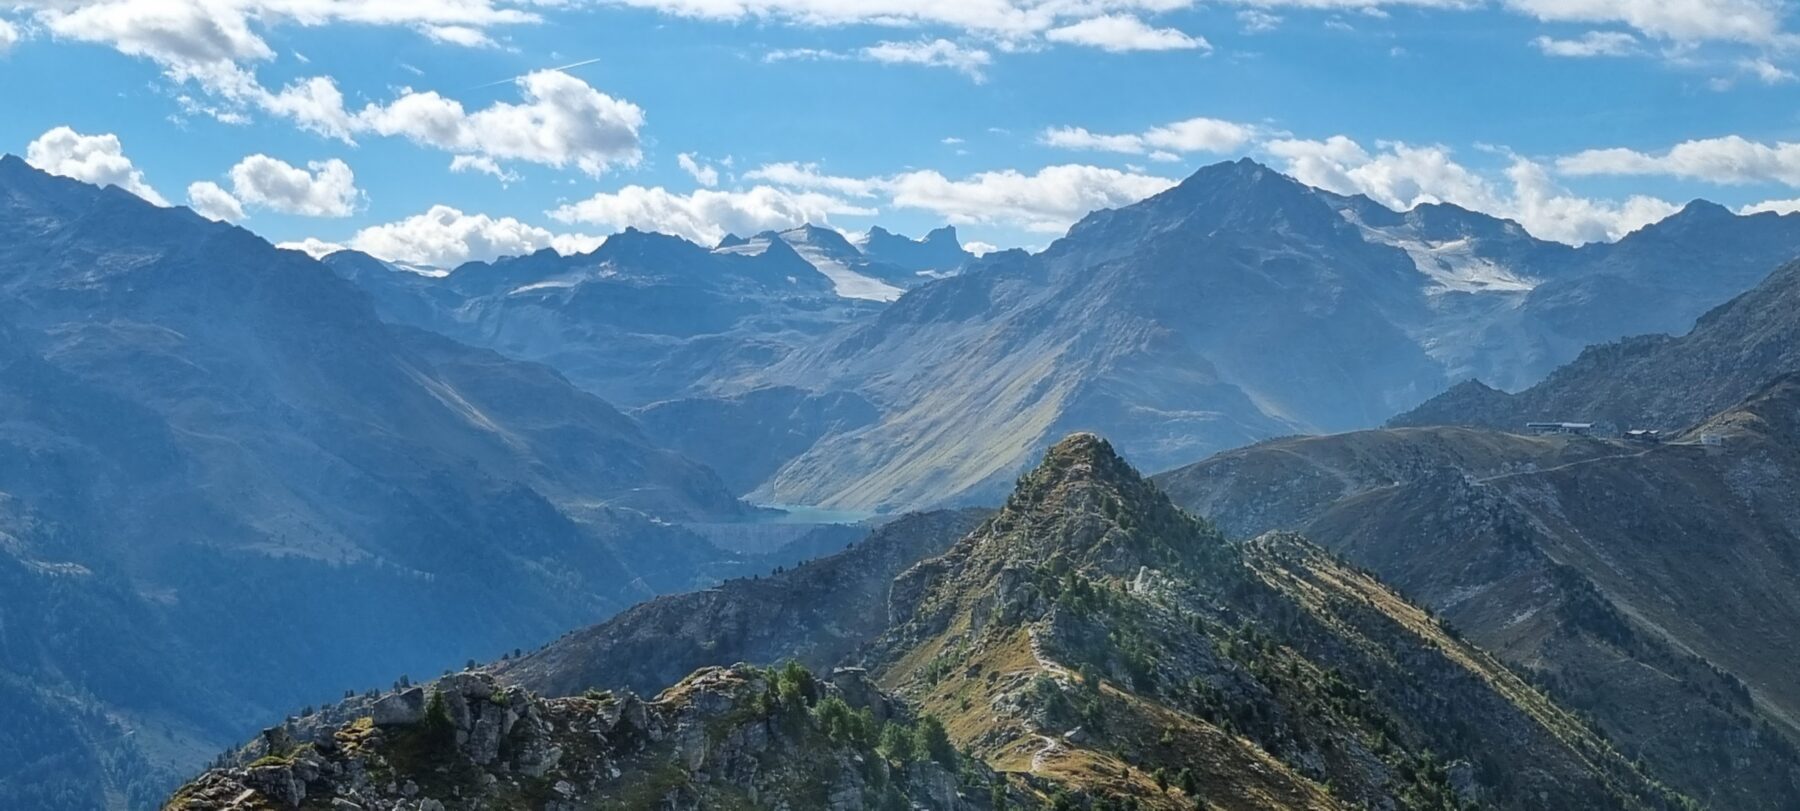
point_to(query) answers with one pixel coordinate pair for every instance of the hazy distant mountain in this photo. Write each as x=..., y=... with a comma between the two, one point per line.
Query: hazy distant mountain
x=1650, y=381
x=1236, y=306
x=228, y=489
x=939, y=253
x=749, y=436
x=648, y=317
x=1649, y=585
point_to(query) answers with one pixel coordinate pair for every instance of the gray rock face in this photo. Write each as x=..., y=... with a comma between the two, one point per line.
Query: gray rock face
x=406, y=707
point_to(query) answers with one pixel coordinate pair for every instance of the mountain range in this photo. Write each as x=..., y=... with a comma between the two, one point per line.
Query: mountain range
x=1236, y=306
x=218, y=467
x=1090, y=645
x=232, y=472
x=1651, y=382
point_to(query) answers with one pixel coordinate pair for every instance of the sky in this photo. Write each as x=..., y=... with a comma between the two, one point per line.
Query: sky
x=436, y=133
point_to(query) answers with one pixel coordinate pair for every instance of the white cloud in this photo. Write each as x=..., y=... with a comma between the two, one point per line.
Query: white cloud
x=703, y=174
x=462, y=35
x=312, y=246
x=936, y=53
x=1776, y=206
x=1682, y=21
x=1402, y=177
x=1162, y=143
x=1767, y=72
x=808, y=176
x=1731, y=159
x=706, y=215
x=1255, y=21
x=1048, y=201
x=1551, y=212
x=1119, y=33
x=979, y=248
x=9, y=36
x=202, y=38
x=97, y=159
x=996, y=19
x=1592, y=43
x=211, y=201
x=327, y=190
x=483, y=164
x=562, y=122
x=1754, y=21
x=446, y=237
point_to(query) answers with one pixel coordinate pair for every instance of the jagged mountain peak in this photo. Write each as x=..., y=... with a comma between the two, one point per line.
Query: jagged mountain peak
x=1086, y=505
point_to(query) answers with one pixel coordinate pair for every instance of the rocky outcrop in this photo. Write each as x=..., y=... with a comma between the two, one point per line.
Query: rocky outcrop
x=723, y=737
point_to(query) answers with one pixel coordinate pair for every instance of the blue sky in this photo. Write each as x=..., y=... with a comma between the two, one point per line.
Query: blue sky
x=340, y=120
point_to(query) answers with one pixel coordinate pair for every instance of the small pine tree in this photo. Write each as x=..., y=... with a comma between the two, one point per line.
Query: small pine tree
x=897, y=743
x=930, y=740
x=437, y=729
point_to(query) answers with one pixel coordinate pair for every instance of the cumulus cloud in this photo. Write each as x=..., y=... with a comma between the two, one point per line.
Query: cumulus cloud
x=1191, y=135
x=9, y=36
x=202, y=38
x=1119, y=33
x=562, y=122
x=1593, y=43
x=211, y=201
x=707, y=215
x=97, y=159
x=322, y=189
x=703, y=174
x=445, y=237
x=1731, y=159
x=1402, y=176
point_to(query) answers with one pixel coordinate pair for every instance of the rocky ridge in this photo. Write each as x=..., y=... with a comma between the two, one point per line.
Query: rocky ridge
x=1647, y=585
x=737, y=737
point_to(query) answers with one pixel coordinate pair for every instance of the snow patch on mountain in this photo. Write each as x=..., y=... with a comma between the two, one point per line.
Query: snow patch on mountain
x=847, y=282
x=1452, y=266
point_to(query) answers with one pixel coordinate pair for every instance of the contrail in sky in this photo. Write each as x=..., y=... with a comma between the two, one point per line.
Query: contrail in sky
x=510, y=80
